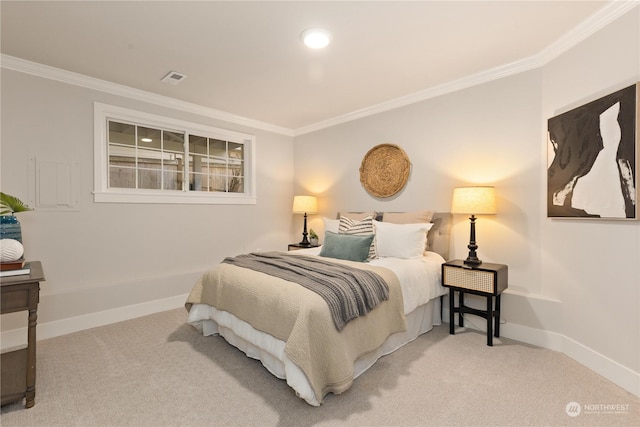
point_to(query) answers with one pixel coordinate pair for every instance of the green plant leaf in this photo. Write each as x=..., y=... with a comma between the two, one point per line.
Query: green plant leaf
x=10, y=204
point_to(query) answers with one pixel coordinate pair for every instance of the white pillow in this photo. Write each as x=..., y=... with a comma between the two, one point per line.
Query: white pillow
x=401, y=240
x=331, y=225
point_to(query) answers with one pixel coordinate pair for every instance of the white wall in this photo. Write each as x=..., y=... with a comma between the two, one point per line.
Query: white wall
x=594, y=266
x=105, y=257
x=573, y=285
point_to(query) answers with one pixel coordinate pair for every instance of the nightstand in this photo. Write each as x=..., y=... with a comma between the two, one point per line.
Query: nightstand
x=296, y=246
x=486, y=279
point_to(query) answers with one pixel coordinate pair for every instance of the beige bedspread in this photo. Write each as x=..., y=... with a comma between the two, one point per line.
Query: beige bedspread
x=301, y=318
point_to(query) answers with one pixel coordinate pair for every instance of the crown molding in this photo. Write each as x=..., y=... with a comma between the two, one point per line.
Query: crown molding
x=423, y=95
x=591, y=25
x=588, y=27
x=45, y=71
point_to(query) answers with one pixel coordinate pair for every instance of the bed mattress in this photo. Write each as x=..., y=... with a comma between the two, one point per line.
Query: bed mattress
x=421, y=288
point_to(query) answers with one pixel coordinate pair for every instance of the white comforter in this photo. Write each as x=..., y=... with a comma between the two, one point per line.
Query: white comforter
x=420, y=282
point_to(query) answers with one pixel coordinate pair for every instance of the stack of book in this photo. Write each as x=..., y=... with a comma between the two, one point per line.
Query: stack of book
x=14, y=268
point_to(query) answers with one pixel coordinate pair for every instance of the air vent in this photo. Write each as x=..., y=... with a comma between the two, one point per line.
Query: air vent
x=173, y=78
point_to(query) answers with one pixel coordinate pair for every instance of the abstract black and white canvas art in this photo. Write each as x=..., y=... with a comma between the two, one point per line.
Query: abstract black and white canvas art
x=592, y=156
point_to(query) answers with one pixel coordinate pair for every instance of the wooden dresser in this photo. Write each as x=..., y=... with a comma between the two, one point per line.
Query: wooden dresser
x=19, y=366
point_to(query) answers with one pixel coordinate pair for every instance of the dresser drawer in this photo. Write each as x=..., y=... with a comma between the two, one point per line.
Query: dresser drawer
x=488, y=279
x=15, y=300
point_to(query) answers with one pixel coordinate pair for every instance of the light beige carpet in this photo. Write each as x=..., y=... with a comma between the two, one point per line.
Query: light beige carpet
x=158, y=371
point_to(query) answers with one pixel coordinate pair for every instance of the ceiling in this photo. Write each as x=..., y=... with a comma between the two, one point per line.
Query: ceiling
x=246, y=58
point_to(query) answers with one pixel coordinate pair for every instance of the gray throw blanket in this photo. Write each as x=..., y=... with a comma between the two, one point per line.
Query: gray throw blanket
x=349, y=292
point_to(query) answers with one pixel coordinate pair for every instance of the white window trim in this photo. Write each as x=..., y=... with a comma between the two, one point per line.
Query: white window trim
x=103, y=194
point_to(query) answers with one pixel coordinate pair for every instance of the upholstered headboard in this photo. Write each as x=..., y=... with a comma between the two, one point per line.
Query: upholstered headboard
x=439, y=237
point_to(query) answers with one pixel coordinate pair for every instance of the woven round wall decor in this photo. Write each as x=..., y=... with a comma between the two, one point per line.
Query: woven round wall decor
x=384, y=170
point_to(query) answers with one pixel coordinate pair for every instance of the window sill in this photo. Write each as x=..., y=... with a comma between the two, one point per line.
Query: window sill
x=178, y=197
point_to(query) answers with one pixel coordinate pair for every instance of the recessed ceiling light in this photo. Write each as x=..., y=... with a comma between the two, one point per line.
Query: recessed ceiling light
x=146, y=139
x=316, y=38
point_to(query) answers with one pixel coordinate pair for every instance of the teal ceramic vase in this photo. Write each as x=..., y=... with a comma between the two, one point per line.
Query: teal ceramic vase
x=10, y=228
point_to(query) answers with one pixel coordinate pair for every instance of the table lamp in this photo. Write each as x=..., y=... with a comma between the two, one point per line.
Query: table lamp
x=473, y=201
x=305, y=205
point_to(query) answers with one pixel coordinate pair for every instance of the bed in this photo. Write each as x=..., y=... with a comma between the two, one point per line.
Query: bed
x=294, y=332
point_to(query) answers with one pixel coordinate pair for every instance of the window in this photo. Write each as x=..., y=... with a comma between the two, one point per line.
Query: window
x=143, y=158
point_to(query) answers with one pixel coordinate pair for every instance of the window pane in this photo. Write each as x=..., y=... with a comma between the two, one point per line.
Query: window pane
x=122, y=177
x=122, y=154
x=173, y=141
x=217, y=148
x=236, y=151
x=173, y=169
x=149, y=137
x=148, y=178
x=198, y=182
x=197, y=144
x=218, y=182
x=236, y=184
x=122, y=133
x=172, y=180
x=147, y=157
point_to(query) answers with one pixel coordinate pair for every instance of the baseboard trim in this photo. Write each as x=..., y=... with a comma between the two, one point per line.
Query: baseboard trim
x=526, y=334
x=602, y=365
x=16, y=338
x=608, y=368
x=537, y=337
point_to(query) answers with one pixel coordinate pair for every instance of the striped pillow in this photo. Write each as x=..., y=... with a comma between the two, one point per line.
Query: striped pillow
x=359, y=228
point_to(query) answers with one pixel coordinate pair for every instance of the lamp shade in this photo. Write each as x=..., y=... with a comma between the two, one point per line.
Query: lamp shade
x=474, y=200
x=305, y=204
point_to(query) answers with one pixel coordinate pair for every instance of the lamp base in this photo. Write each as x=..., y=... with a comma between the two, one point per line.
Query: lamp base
x=472, y=261
x=305, y=241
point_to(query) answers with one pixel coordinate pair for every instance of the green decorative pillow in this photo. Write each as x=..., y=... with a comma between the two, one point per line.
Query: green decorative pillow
x=346, y=246
x=362, y=227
